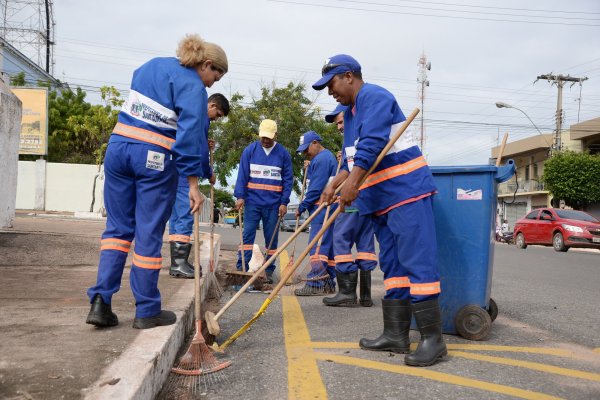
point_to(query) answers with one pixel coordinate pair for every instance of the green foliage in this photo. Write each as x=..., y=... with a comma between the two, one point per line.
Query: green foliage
x=221, y=196
x=294, y=114
x=573, y=177
x=79, y=132
x=18, y=79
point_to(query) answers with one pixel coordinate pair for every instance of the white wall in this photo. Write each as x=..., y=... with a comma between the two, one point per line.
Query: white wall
x=10, y=129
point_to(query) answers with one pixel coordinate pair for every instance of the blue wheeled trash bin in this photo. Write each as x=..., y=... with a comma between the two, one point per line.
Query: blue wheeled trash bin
x=465, y=224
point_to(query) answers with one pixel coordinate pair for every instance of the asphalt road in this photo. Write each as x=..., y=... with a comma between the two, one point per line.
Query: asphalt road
x=545, y=343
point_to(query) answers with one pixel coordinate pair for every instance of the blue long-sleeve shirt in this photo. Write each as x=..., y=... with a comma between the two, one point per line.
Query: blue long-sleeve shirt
x=320, y=170
x=167, y=106
x=264, y=180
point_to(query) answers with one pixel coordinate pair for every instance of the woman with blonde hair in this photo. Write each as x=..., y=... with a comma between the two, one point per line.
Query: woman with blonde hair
x=159, y=135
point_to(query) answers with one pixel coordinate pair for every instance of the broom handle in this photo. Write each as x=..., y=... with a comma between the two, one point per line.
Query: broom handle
x=197, y=288
x=242, y=240
x=290, y=270
x=318, y=250
x=298, y=217
x=273, y=236
x=212, y=219
x=501, y=152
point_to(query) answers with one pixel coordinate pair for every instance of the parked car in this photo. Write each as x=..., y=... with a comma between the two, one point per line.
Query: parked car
x=559, y=228
x=288, y=223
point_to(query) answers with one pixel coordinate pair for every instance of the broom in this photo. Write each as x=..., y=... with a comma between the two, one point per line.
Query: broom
x=326, y=225
x=214, y=289
x=198, y=360
x=236, y=278
x=317, y=269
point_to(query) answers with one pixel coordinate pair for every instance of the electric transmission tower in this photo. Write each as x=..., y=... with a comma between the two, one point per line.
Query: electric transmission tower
x=424, y=66
x=28, y=25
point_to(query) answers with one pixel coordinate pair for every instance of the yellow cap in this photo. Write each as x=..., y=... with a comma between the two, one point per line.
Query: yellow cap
x=267, y=128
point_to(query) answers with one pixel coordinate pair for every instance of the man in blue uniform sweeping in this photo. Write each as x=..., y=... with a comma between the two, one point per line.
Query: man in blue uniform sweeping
x=322, y=167
x=351, y=228
x=398, y=195
x=181, y=222
x=262, y=189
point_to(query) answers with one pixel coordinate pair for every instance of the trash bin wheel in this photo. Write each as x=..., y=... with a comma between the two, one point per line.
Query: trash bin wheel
x=493, y=309
x=473, y=322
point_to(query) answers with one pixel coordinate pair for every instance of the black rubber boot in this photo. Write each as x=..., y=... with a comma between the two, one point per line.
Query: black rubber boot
x=396, y=325
x=101, y=314
x=180, y=267
x=269, y=275
x=365, y=289
x=162, y=319
x=431, y=346
x=346, y=295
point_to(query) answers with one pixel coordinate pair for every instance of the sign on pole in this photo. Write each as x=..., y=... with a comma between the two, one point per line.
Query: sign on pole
x=34, y=120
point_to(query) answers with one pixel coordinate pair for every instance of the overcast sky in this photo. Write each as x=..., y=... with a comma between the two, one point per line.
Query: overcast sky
x=480, y=51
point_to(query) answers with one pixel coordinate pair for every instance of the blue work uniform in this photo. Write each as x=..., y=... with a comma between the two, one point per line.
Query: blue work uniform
x=264, y=181
x=397, y=194
x=159, y=134
x=321, y=170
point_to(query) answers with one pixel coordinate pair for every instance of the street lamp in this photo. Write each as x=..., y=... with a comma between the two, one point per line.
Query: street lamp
x=500, y=104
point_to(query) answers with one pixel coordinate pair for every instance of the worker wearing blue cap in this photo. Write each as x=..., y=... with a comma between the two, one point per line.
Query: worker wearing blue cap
x=351, y=228
x=322, y=167
x=398, y=196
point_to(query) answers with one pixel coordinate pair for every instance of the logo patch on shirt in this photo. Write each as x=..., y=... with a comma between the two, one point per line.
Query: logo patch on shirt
x=155, y=160
x=265, y=172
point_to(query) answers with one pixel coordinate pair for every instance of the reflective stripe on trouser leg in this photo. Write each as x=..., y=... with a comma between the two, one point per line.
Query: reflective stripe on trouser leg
x=155, y=194
x=413, y=227
x=343, y=240
x=269, y=218
x=365, y=243
x=320, y=266
x=393, y=274
x=181, y=222
x=250, y=221
x=119, y=200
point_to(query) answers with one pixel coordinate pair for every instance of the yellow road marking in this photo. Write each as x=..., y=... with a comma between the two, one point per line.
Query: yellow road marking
x=529, y=365
x=434, y=375
x=304, y=378
x=597, y=350
x=477, y=347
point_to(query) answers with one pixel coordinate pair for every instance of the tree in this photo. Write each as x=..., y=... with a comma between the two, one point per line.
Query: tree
x=221, y=196
x=18, y=79
x=573, y=177
x=294, y=114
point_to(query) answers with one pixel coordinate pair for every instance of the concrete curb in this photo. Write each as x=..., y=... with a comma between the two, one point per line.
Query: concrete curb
x=143, y=368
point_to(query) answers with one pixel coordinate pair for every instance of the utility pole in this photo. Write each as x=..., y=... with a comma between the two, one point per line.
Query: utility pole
x=424, y=66
x=559, y=80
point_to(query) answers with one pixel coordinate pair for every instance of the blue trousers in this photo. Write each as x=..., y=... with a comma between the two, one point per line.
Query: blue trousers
x=181, y=223
x=408, y=251
x=322, y=262
x=252, y=217
x=352, y=228
x=138, y=202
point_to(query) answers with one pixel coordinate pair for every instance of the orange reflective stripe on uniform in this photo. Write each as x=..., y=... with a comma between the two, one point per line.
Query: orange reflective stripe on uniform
x=246, y=247
x=147, y=262
x=261, y=186
x=340, y=258
x=144, y=135
x=319, y=257
x=271, y=252
x=331, y=262
x=421, y=289
x=392, y=172
x=115, y=244
x=396, y=282
x=366, y=256
x=179, y=238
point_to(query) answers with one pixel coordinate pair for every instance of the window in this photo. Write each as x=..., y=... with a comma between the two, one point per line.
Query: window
x=532, y=215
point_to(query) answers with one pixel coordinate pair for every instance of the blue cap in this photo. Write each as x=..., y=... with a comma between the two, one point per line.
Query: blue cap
x=307, y=139
x=337, y=64
x=331, y=116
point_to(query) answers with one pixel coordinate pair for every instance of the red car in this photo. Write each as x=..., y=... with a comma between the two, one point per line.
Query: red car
x=558, y=228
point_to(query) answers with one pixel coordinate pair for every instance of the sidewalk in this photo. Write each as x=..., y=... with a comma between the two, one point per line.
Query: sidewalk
x=47, y=351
